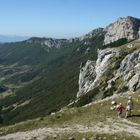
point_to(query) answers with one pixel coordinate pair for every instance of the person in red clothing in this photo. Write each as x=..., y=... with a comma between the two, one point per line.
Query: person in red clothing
x=120, y=110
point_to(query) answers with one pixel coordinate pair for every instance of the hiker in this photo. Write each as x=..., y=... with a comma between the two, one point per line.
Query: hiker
x=120, y=110
x=129, y=107
x=113, y=107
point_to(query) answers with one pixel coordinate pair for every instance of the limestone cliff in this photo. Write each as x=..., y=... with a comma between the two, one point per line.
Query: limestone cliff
x=116, y=70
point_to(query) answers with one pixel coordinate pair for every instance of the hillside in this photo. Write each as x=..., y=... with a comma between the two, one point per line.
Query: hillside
x=40, y=79
x=39, y=76
x=94, y=121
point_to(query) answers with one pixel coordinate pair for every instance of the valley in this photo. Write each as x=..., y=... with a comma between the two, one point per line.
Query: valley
x=63, y=88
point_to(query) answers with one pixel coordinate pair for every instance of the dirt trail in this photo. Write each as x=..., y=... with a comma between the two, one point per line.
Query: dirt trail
x=110, y=127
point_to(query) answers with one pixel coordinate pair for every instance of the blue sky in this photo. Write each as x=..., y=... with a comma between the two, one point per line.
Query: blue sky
x=61, y=18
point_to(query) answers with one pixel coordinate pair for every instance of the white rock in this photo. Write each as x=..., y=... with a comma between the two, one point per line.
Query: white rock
x=128, y=71
x=86, y=77
x=130, y=46
x=90, y=74
x=123, y=28
x=53, y=113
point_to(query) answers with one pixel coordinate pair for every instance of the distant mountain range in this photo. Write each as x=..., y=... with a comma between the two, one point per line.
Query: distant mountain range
x=8, y=38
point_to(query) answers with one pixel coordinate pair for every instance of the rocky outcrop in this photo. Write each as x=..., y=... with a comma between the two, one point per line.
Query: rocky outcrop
x=86, y=77
x=47, y=42
x=123, y=28
x=115, y=70
x=92, y=34
x=130, y=70
x=89, y=36
x=90, y=74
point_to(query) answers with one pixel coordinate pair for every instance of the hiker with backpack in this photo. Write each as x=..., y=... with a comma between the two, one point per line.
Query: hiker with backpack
x=114, y=104
x=120, y=110
x=118, y=107
x=129, y=107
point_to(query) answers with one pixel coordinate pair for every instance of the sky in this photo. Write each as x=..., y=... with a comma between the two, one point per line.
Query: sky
x=61, y=18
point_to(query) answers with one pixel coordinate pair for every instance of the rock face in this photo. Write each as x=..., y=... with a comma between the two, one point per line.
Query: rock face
x=123, y=28
x=91, y=73
x=86, y=77
x=130, y=70
x=116, y=70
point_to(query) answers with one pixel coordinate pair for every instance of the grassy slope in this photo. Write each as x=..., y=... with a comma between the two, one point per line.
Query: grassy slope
x=88, y=116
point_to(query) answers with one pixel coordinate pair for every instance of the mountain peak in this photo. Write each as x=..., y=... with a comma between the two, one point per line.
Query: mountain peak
x=124, y=27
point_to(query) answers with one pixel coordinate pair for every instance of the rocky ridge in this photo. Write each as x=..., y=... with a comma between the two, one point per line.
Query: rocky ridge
x=124, y=27
x=49, y=42
x=92, y=34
